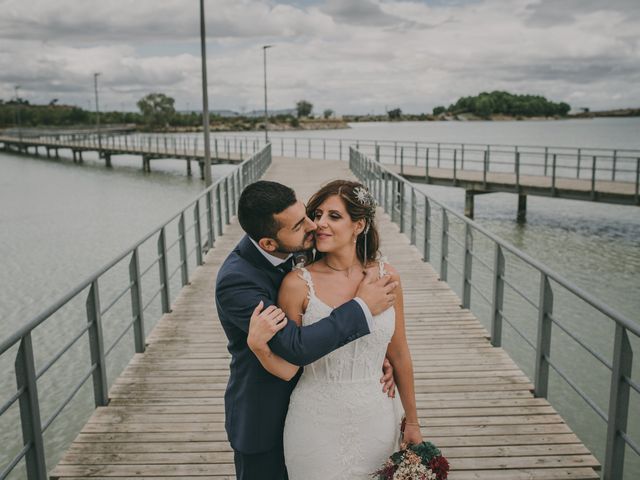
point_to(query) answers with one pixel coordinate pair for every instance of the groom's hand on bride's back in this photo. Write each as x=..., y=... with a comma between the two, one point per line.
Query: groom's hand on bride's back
x=378, y=294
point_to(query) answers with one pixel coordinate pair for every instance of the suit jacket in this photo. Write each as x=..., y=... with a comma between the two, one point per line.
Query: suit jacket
x=256, y=402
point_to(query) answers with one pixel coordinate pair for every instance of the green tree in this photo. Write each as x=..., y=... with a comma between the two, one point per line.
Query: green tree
x=157, y=109
x=395, y=114
x=328, y=113
x=438, y=110
x=304, y=108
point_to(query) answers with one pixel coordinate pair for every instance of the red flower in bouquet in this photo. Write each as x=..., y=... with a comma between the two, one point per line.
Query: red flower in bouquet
x=440, y=466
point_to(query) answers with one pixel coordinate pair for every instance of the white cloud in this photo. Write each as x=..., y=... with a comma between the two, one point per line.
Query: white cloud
x=357, y=56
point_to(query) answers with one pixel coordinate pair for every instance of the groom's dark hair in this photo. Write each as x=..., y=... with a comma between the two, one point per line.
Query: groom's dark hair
x=258, y=204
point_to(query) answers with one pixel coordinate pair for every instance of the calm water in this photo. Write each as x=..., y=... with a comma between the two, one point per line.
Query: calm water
x=59, y=222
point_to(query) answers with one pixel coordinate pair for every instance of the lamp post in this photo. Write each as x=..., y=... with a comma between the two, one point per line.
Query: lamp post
x=18, y=106
x=266, y=115
x=205, y=100
x=95, y=86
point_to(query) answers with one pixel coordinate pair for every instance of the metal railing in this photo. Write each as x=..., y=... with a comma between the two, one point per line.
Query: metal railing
x=549, y=161
x=216, y=204
x=555, y=162
x=150, y=145
x=400, y=198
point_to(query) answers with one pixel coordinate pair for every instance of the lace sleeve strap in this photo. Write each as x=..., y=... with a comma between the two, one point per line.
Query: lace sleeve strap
x=382, y=271
x=306, y=276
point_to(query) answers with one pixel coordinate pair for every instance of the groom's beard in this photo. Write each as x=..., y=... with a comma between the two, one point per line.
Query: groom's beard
x=307, y=244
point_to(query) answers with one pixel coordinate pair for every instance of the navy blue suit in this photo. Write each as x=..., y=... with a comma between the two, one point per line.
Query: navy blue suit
x=256, y=402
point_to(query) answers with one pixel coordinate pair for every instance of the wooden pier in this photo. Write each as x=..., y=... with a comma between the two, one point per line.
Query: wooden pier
x=110, y=146
x=165, y=418
x=479, y=182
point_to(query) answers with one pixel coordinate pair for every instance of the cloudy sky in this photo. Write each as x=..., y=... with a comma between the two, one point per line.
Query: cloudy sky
x=353, y=56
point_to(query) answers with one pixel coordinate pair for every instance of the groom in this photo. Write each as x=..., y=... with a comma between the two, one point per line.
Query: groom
x=256, y=402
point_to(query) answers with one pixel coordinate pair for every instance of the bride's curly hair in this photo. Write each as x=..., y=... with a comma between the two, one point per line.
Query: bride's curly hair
x=359, y=205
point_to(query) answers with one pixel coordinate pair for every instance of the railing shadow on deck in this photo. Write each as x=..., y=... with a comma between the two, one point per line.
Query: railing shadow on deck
x=402, y=201
x=203, y=218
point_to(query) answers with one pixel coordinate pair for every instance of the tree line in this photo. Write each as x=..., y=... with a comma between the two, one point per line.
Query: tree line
x=156, y=111
x=505, y=103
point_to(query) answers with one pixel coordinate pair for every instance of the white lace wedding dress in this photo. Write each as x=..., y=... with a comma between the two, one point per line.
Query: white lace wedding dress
x=340, y=425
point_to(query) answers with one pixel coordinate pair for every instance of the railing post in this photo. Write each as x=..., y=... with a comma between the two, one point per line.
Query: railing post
x=546, y=159
x=196, y=230
x=324, y=149
x=414, y=212
x=401, y=160
x=613, y=167
x=518, y=171
x=426, y=248
x=593, y=178
x=295, y=148
x=136, y=302
x=211, y=234
x=164, y=271
x=395, y=153
x=340, y=150
x=233, y=194
x=394, y=198
x=184, y=266
x=385, y=177
x=416, y=154
x=455, y=166
x=438, y=160
x=498, y=296
x=227, y=217
x=96, y=346
x=426, y=166
x=462, y=156
x=515, y=157
x=219, y=208
x=467, y=266
x=30, y=410
x=543, y=345
x=578, y=163
x=444, y=246
x=401, y=190
x=485, y=168
x=553, y=175
x=618, y=405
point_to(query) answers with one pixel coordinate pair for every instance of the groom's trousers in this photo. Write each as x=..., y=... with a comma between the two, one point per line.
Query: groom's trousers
x=261, y=466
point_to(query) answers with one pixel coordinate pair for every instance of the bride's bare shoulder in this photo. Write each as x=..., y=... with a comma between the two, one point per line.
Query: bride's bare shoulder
x=294, y=282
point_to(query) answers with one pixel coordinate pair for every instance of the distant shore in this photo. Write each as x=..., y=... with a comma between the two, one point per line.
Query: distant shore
x=310, y=124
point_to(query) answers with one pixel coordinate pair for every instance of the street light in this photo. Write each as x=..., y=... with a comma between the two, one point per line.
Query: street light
x=95, y=85
x=18, y=105
x=266, y=115
x=205, y=101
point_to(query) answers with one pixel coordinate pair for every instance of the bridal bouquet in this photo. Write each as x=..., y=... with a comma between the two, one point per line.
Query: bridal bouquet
x=414, y=462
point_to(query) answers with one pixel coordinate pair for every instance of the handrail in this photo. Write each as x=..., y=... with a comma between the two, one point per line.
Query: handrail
x=551, y=162
x=373, y=173
x=225, y=200
x=575, y=289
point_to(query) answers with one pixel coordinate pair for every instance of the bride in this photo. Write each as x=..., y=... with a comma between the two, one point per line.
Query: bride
x=339, y=425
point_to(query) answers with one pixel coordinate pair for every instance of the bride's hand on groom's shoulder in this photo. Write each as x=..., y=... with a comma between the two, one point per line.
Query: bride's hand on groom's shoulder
x=264, y=324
